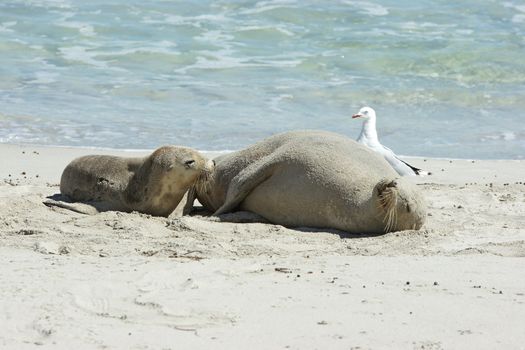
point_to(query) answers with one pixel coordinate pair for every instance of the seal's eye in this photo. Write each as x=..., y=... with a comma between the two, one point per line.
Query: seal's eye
x=189, y=163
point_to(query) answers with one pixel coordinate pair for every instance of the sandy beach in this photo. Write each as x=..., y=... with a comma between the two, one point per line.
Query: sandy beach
x=132, y=281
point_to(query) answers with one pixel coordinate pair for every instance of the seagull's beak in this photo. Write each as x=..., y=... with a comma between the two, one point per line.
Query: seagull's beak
x=356, y=116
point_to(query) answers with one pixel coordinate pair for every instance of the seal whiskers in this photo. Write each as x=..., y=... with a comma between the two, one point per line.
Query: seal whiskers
x=203, y=181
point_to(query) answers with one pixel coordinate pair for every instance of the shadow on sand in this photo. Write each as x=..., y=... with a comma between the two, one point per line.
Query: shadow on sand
x=246, y=217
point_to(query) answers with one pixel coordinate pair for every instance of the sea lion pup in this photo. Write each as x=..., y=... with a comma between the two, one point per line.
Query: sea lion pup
x=313, y=179
x=153, y=185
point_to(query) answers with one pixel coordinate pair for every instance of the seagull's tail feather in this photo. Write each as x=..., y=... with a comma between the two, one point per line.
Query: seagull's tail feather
x=417, y=171
x=422, y=172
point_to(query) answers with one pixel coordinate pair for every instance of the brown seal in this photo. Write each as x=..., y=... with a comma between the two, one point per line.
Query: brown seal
x=153, y=185
x=313, y=179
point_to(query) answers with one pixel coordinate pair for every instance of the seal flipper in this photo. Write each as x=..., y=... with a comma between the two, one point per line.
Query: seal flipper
x=88, y=208
x=185, y=205
x=243, y=183
x=191, y=195
x=81, y=208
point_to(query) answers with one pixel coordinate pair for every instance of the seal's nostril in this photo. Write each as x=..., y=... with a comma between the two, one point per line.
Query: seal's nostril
x=213, y=162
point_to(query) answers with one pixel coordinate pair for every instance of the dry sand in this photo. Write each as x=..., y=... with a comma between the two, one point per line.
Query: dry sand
x=132, y=281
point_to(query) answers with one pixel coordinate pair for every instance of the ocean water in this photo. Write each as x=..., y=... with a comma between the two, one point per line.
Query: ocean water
x=446, y=78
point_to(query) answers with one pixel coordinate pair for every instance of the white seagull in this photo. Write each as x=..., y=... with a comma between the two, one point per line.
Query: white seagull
x=368, y=137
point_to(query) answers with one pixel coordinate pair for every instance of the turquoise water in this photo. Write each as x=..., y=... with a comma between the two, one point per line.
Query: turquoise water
x=447, y=78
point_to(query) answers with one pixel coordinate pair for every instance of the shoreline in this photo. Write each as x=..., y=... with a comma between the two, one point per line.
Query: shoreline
x=128, y=280
x=102, y=149
x=33, y=160
x=216, y=152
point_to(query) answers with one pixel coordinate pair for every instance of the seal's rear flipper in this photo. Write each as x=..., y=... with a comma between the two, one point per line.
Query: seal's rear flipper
x=62, y=201
x=388, y=199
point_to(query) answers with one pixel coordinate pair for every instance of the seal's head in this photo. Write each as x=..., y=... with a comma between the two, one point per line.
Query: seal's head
x=180, y=164
x=401, y=205
x=366, y=113
x=165, y=176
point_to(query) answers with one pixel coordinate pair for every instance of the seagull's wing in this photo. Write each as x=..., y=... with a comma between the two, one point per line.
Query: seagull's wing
x=402, y=167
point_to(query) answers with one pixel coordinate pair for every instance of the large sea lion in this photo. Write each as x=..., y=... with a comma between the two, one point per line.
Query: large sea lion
x=153, y=185
x=313, y=179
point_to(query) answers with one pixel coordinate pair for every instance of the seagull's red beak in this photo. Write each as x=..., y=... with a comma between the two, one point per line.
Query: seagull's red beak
x=356, y=116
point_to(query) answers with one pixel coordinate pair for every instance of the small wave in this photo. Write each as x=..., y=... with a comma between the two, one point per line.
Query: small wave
x=195, y=21
x=503, y=136
x=162, y=47
x=214, y=36
x=50, y=4
x=425, y=26
x=44, y=78
x=87, y=55
x=275, y=102
x=224, y=59
x=279, y=29
x=517, y=18
x=519, y=8
x=5, y=26
x=368, y=8
x=265, y=6
x=465, y=32
x=83, y=28
x=81, y=54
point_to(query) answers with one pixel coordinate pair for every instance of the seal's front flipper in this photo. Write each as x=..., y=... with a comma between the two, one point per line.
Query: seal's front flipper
x=185, y=205
x=244, y=182
x=88, y=207
x=81, y=208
